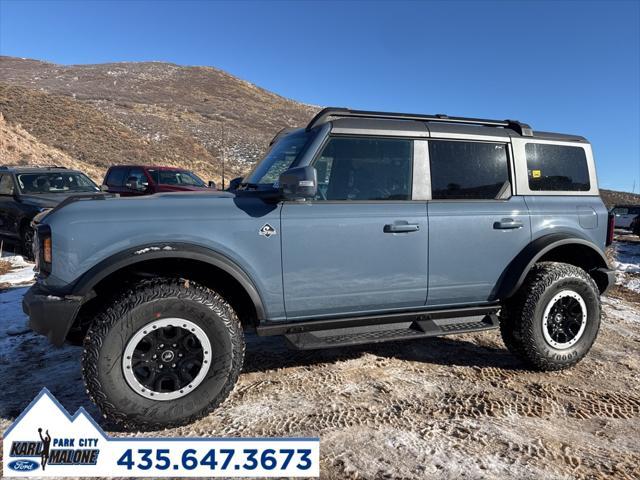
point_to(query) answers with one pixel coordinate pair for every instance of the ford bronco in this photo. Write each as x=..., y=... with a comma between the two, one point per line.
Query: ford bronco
x=361, y=227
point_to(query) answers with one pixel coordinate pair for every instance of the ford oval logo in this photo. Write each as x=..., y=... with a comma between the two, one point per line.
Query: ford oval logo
x=23, y=465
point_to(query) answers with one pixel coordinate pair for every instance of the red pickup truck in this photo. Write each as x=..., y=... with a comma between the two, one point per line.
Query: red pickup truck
x=130, y=180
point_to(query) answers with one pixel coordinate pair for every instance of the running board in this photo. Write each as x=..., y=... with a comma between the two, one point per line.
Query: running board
x=300, y=326
x=390, y=332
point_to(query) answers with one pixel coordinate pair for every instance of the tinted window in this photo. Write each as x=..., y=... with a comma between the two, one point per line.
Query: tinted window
x=137, y=175
x=468, y=170
x=365, y=169
x=176, y=177
x=116, y=177
x=557, y=167
x=6, y=185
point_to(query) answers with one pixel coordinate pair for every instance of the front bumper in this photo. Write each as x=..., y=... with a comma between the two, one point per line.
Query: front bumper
x=49, y=314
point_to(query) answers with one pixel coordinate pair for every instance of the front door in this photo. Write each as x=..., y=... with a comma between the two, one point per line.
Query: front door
x=361, y=245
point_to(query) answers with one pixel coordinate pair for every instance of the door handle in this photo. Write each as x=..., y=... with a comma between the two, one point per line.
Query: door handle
x=507, y=224
x=401, y=228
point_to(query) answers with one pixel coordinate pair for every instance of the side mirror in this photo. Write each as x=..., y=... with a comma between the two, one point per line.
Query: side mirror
x=299, y=183
x=212, y=184
x=104, y=188
x=234, y=184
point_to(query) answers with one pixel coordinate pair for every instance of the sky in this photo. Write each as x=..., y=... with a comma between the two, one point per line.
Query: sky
x=570, y=67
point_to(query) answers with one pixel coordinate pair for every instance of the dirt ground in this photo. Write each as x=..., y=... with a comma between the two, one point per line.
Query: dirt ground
x=448, y=407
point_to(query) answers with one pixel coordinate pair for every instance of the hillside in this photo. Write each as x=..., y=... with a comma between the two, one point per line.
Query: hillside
x=94, y=116
x=146, y=112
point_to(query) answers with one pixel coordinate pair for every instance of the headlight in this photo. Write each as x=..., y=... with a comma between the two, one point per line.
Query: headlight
x=44, y=249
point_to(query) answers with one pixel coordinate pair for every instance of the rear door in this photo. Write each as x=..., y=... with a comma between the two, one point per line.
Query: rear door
x=476, y=225
x=361, y=245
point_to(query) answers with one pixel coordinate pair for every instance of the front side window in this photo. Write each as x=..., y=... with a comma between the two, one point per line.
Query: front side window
x=6, y=185
x=279, y=158
x=137, y=176
x=365, y=169
x=55, y=182
x=176, y=177
x=468, y=170
x=557, y=168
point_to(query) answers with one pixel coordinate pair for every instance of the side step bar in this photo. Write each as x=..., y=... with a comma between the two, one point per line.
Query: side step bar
x=389, y=332
x=299, y=326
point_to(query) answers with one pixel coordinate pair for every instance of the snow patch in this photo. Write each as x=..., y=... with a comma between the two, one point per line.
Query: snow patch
x=21, y=271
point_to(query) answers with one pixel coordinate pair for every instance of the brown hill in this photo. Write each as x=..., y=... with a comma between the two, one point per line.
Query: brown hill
x=151, y=113
x=93, y=116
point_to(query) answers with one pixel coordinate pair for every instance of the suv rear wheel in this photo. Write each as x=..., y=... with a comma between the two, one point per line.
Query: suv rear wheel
x=27, y=234
x=553, y=320
x=167, y=346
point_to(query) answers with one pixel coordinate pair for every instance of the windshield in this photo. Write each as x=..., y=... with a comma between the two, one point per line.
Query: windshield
x=176, y=177
x=55, y=182
x=279, y=158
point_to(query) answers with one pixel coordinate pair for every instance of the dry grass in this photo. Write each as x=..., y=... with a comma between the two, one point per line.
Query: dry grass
x=5, y=267
x=147, y=113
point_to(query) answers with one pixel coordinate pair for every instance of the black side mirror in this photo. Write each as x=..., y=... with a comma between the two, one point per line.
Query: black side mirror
x=299, y=183
x=234, y=184
x=212, y=184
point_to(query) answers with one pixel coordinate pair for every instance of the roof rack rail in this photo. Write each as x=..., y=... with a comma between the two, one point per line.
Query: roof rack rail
x=322, y=116
x=7, y=167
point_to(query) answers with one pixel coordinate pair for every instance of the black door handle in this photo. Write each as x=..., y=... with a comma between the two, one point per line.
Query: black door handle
x=507, y=224
x=401, y=228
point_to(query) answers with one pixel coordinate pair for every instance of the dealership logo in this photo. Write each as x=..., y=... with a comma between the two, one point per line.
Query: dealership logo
x=23, y=465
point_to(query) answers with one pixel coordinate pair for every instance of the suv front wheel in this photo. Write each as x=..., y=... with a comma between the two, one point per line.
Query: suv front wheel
x=162, y=354
x=553, y=320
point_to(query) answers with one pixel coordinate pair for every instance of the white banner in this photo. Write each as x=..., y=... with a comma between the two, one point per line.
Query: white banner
x=45, y=441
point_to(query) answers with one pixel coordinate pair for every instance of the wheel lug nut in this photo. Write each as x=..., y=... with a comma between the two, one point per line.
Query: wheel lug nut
x=175, y=345
x=161, y=366
x=180, y=355
x=155, y=356
x=173, y=365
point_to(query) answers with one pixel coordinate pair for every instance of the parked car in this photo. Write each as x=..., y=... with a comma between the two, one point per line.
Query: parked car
x=635, y=226
x=361, y=227
x=625, y=214
x=27, y=191
x=134, y=180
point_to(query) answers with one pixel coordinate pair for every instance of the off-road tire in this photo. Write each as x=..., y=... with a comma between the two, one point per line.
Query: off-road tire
x=26, y=242
x=127, y=312
x=521, y=318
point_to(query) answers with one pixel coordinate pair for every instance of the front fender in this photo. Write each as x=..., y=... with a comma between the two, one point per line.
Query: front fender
x=85, y=284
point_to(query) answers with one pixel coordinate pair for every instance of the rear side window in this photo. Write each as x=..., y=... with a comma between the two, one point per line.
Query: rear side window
x=116, y=177
x=557, y=168
x=365, y=169
x=468, y=170
x=6, y=185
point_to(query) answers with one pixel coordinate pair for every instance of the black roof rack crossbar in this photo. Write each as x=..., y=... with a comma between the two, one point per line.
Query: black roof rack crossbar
x=322, y=116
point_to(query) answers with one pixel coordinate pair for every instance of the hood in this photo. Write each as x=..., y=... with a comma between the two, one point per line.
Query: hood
x=48, y=200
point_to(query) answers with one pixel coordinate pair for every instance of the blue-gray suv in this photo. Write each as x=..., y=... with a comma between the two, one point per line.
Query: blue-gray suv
x=361, y=227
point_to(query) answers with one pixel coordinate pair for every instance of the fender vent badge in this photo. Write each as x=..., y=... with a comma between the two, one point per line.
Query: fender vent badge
x=267, y=230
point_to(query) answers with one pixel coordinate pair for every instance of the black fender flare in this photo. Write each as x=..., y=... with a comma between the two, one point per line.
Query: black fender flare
x=514, y=275
x=83, y=287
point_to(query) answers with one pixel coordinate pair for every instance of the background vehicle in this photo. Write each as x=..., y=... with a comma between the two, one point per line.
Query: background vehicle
x=132, y=180
x=362, y=227
x=625, y=214
x=27, y=191
x=635, y=225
